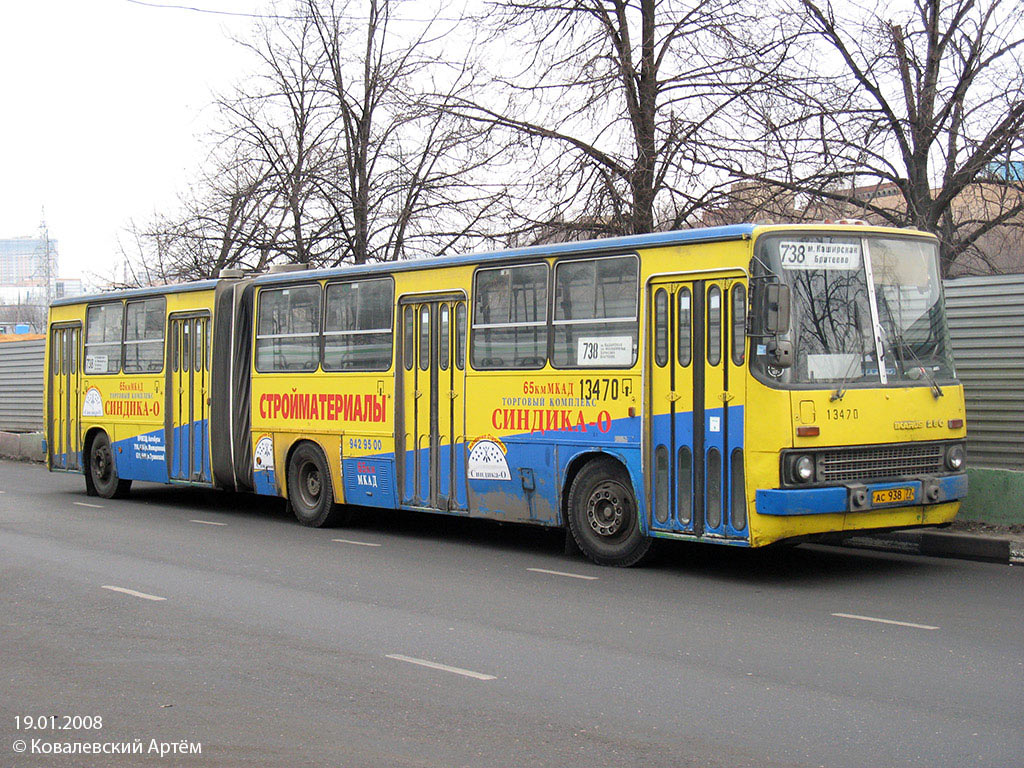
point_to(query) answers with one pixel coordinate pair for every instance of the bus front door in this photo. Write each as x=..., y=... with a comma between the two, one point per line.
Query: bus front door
x=694, y=407
x=430, y=419
x=187, y=421
x=63, y=433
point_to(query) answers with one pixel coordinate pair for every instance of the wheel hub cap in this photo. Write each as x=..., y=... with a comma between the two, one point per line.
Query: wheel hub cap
x=103, y=463
x=605, y=509
x=313, y=483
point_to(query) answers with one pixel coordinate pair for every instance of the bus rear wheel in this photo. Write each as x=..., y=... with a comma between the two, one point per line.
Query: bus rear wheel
x=101, y=474
x=603, y=516
x=310, y=491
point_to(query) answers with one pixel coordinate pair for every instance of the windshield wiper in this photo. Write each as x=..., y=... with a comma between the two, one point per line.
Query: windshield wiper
x=841, y=389
x=859, y=358
x=895, y=333
x=921, y=370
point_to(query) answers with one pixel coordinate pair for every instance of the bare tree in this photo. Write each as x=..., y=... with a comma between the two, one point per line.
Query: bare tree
x=621, y=101
x=281, y=130
x=255, y=201
x=407, y=177
x=330, y=152
x=901, y=114
x=229, y=219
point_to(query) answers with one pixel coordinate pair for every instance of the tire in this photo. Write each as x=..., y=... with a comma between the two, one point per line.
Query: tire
x=602, y=515
x=101, y=474
x=310, y=491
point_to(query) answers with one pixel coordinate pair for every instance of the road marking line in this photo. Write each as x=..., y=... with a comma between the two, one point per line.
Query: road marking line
x=563, y=573
x=442, y=667
x=206, y=522
x=883, y=621
x=133, y=593
x=83, y=504
x=357, y=543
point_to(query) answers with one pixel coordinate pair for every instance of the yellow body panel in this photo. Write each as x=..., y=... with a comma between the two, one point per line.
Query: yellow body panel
x=128, y=407
x=506, y=443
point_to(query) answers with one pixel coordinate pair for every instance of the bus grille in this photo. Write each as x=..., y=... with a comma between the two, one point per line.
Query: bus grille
x=880, y=461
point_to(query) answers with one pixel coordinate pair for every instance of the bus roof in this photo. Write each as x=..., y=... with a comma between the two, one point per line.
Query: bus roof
x=628, y=242
x=152, y=290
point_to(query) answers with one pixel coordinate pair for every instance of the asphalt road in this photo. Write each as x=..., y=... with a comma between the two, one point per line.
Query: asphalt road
x=282, y=645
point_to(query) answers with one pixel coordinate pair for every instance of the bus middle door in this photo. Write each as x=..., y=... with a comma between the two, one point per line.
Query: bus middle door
x=431, y=415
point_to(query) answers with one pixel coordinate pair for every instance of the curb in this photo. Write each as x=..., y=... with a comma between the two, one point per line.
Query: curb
x=22, y=446
x=964, y=546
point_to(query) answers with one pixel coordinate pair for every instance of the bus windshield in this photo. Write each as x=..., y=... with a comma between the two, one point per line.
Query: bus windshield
x=857, y=301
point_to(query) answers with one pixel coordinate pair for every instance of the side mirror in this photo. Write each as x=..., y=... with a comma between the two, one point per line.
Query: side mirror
x=776, y=305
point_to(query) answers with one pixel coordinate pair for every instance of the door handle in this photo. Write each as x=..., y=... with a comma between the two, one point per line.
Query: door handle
x=673, y=396
x=725, y=397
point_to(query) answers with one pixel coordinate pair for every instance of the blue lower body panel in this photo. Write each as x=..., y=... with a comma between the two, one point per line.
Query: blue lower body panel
x=836, y=500
x=142, y=457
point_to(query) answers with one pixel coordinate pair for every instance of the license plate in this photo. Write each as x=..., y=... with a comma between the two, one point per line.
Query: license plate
x=892, y=495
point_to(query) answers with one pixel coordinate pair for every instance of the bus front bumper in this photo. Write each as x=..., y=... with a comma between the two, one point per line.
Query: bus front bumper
x=859, y=497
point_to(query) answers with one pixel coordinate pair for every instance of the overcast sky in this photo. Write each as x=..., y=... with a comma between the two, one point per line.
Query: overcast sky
x=103, y=101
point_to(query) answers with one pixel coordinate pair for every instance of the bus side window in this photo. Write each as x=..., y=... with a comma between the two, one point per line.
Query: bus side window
x=739, y=323
x=409, y=337
x=714, y=325
x=460, y=335
x=685, y=327
x=661, y=327
x=55, y=352
x=424, y=337
x=595, y=323
x=175, y=351
x=288, y=329
x=510, y=306
x=199, y=354
x=444, y=338
x=357, y=331
x=186, y=345
x=104, y=324
x=144, y=336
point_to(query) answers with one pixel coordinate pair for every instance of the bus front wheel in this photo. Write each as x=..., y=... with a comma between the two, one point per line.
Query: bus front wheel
x=603, y=516
x=310, y=491
x=101, y=478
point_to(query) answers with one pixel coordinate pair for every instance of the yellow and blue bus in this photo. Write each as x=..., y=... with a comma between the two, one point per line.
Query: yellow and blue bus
x=740, y=385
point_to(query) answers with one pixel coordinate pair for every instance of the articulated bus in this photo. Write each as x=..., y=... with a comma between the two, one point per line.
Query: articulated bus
x=740, y=385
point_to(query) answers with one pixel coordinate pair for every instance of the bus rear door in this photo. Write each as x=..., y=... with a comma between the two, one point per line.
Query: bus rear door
x=63, y=433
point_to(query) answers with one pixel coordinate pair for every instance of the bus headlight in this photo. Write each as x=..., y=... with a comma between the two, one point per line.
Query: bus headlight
x=955, y=457
x=803, y=469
